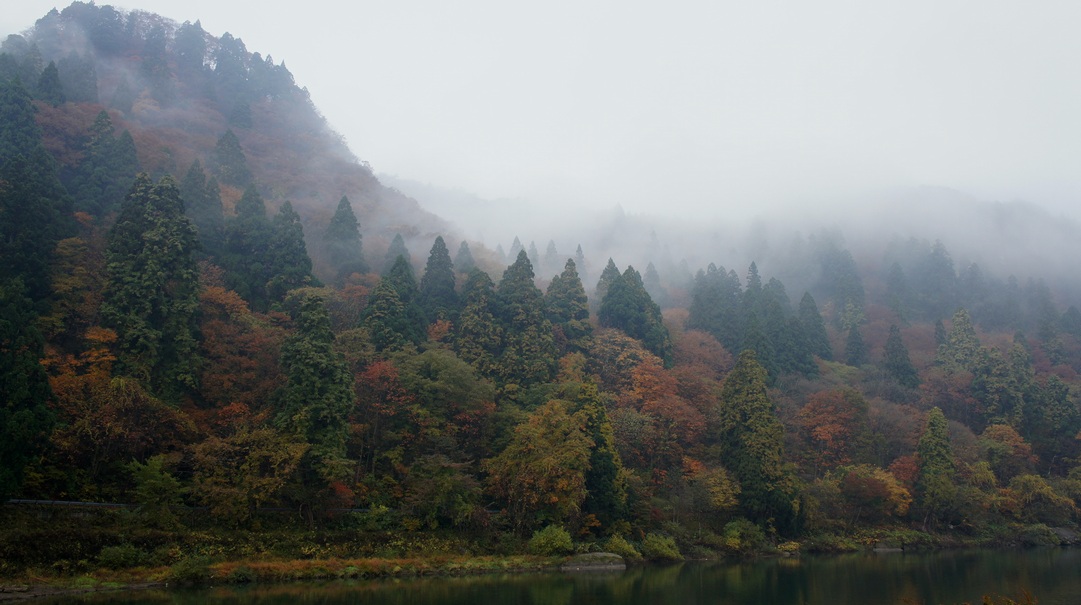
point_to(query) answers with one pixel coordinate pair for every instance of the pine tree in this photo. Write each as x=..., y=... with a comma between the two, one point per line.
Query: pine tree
x=343, y=240
x=463, y=260
x=246, y=250
x=935, y=487
x=34, y=207
x=49, y=88
x=855, y=348
x=229, y=163
x=551, y=258
x=568, y=309
x=385, y=319
x=528, y=354
x=78, y=78
x=534, y=255
x=896, y=361
x=652, y=282
x=609, y=275
x=397, y=248
x=628, y=307
x=400, y=277
x=814, y=327
x=751, y=440
x=25, y=418
x=437, y=297
x=606, y=496
x=962, y=346
x=151, y=296
x=478, y=337
x=107, y=171
x=288, y=262
x=318, y=396
x=202, y=199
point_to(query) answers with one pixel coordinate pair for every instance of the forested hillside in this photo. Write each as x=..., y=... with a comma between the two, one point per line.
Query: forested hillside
x=206, y=301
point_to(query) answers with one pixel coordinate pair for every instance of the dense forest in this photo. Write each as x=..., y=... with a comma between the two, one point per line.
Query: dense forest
x=207, y=304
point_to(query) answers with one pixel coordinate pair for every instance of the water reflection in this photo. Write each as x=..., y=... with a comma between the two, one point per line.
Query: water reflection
x=1052, y=575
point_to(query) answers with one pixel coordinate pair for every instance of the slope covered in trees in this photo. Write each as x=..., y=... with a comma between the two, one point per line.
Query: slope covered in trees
x=166, y=336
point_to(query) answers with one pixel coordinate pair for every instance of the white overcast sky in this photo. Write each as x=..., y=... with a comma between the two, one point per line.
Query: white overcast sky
x=682, y=105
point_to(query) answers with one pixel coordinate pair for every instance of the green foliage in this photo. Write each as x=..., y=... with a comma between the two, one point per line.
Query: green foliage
x=528, y=349
x=289, y=266
x=657, y=547
x=751, y=441
x=436, y=295
x=619, y=545
x=743, y=537
x=343, y=241
x=896, y=361
x=568, y=310
x=122, y=556
x=190, y=571
x=156, y=491
x=627, y=306
x=49, y=88
x=202, y=201
x=551, y=541
x=25, y=418
x=935, y=482
x=107, y=170
x=397, y=248
x=34, y=207
x=541, y=473
x=151, y=296
x=228, y=162
x=855, y=349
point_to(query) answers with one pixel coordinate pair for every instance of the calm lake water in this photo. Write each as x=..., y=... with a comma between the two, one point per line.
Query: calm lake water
x=1053, y=576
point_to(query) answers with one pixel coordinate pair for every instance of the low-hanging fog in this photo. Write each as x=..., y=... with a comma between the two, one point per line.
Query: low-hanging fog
x=712, y=132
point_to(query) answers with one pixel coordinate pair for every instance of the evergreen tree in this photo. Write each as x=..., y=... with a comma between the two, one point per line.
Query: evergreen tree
x=534, y=254
x=49, y=88
x=25, y=418
x=463, y=261
x=202, y=199
x=246, y=251
x=289, y=265
x=898, y=296
x=608, y=275
x=652, y=282
x=397, y=248
x=437, y=297
x=318, y=395
x=580, y=263
x=229, y=163
x=568, y=309
x=107, y=170
x=478, y=336
x=401, y=278
x=528, y=354
x=343, y=242
x=151, y=296
x=628, y=307
x=606, y=497
x=34, y=207
x=551, y=258
x=962, y=347
x=155, y=66
x=751, y=440
x=855, y=349
x=936, y=283
x=190, y=48
x=385, y=319
x=515, y=248
x=935, y=487
x=896, y=361
x=814, y=327
x=78, y=78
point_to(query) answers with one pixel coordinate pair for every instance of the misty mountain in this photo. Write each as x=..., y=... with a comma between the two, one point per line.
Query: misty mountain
x=176, y=89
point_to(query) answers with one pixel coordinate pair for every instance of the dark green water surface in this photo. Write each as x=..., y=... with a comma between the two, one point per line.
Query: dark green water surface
x=1053, y=576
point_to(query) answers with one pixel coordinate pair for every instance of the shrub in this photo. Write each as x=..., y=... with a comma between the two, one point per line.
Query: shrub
x=122, y=557
x=620, y=546
x=743, y=537
x=550, y=541
x=190, y=571
x=656, y=547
